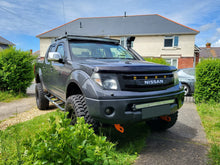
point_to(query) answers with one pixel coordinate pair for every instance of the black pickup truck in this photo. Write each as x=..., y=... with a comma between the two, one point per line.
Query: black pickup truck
x=103, y=82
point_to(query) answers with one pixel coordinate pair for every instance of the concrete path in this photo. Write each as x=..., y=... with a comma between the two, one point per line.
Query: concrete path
x=183, y=144
x=8, y=110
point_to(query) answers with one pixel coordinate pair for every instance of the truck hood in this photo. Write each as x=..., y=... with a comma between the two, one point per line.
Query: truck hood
x=118, y=66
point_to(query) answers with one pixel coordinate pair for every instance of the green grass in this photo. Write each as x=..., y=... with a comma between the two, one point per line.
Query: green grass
x=157, y=60
x=8, y=97
x=12, y=139
x=210, y=116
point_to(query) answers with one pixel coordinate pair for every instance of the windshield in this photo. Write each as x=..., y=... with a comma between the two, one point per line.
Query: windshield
x=99, y=51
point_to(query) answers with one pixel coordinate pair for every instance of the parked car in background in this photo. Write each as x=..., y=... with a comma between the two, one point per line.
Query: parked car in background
x=187, y=78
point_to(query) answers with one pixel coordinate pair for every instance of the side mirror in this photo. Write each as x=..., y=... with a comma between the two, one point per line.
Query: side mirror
x=129, y=40
x=54, y=56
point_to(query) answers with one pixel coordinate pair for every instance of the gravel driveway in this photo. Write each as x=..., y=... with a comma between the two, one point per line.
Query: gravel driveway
x=183, y=144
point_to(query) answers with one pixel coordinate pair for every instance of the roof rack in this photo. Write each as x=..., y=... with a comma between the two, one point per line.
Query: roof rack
x=88, y=38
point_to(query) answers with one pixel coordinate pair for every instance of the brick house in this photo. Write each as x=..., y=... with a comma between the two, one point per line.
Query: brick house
x=155, y=36
x=5, y=43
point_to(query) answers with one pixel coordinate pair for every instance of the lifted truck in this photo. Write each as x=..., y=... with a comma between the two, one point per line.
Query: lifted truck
x=103, y=82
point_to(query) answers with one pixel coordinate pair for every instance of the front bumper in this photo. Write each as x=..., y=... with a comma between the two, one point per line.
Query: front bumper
x=130, y=110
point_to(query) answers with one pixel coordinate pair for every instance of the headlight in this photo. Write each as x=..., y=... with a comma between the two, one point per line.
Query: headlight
x=107, y=81
x=110, y=84
x=176, y=79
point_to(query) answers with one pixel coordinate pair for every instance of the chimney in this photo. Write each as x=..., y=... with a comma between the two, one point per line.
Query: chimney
x=31, y=51
x=208, y=45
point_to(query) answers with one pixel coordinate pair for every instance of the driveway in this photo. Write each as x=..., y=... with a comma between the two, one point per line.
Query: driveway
x=8, y=110
x=183, y=144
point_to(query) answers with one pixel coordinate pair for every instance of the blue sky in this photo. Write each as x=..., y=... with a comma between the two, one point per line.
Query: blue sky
x=22, y=20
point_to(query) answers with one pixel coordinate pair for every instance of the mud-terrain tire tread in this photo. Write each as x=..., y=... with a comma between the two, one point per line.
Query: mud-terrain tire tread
x=76, y=106
x=160, y=125
x=42, y=102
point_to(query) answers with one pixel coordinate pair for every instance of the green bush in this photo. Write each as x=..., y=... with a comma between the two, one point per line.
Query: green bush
x=66, y=144
x=207, y=86
x=157, y=60
x=16, y=70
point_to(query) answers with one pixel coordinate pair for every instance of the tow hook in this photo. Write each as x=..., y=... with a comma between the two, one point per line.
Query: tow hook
x=119, y=128
x=166, y=118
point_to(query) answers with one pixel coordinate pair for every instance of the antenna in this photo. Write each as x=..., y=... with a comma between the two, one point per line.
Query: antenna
x=64, y=18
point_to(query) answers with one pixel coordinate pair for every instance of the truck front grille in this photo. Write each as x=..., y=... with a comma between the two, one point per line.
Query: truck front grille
x=145, y=82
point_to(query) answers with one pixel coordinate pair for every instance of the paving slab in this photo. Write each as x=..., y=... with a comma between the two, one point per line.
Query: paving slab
x=10, y=109
x=183, y=144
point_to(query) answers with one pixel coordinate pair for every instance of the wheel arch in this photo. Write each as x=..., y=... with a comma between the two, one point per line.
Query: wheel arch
x=186, y=85
x=73, y=89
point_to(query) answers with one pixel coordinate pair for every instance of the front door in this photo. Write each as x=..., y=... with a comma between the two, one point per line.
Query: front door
x=61, y=72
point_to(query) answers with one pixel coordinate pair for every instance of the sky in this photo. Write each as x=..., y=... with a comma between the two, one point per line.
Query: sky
x=22, y=20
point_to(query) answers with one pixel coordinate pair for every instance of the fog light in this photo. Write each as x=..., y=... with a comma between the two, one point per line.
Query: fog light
x=109, y=111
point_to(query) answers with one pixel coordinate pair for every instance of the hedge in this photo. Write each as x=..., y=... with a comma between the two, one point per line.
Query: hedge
x=207, y=86
x=157, y=60
x=16, y=70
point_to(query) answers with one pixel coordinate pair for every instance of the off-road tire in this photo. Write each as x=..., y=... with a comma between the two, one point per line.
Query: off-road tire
x=158, y=124
x=42, y=102
x=76, y=106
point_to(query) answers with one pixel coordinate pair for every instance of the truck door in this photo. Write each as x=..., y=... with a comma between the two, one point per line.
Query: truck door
x=61, y=71
x=47, y=69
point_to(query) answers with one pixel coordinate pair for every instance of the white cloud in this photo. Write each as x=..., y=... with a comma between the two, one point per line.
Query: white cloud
x=33, y=17
x=218, y=30
x=217, y=43
x=7, y=4
x=207, y=26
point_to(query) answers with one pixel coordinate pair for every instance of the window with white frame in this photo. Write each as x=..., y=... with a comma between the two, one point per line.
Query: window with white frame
x=123, y=42
x=172, y=61
x=171, y=41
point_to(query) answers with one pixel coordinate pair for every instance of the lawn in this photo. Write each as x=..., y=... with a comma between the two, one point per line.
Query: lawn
x=210, y=116
x=8, y=97
x=14, y=140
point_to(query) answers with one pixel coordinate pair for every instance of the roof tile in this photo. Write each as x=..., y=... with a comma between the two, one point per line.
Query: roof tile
x=153, y=24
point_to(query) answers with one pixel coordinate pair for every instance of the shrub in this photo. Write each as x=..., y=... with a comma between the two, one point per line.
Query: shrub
x=157, y=60
x=66, y=144
x=16, y=70
x=207, y=86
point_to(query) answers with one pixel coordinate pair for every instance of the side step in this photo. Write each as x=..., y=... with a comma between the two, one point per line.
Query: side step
x=57, y=102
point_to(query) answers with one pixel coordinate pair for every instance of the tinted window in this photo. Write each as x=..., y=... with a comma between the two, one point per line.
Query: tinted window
x=60, y=49
x=99, y=51
x=51, y=49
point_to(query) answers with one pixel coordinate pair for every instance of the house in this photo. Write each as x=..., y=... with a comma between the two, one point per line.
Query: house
x=209, y=52
x=155, y=35
x=5, y=43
